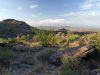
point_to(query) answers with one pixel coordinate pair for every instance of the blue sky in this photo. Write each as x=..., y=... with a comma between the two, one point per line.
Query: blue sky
x=80, y=13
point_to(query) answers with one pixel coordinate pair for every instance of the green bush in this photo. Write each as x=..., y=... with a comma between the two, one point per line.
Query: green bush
x=70, y=65
x=22, y=38
x=44, y=37
x=2, y=40
x=59, y=39
x=98, y=41
x=11, y=40
x=35, y=44
x=69, y=71
x=74, y=37
x=6, y=53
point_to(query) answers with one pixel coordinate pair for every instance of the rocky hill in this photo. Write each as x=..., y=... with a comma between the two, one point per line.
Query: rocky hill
x=12, y=27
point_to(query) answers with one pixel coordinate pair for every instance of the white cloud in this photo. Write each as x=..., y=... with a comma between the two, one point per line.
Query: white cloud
x=33, y=6
x=19, y=8
x=79, y=21
x=83, y=18
x=85, y=21
x=47, y=22
x=88, y=4
x=52, y=22
x=83, y=13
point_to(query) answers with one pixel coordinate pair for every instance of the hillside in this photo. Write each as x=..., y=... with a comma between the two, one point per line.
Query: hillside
x=47, y=52
x=12, y=27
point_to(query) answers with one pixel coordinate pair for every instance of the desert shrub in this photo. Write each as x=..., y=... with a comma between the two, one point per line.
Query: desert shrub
x=59, y=39
x=2, y=40
x=44, y=38
x=81, y=42
x=67, y=71
x=71, y=61
x=87, y=39
x=35, y=44
x=43, y=55
x=98, y=41
x=70, y=65
x=6, y=53
x=18, y=38
x=7, y=40
x=11, y=40
x=74, y=37
x=21, y=38
x=73, y=65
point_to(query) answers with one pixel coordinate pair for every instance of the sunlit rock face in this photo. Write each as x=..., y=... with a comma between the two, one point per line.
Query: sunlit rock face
x=83, y=52
x=12, y=27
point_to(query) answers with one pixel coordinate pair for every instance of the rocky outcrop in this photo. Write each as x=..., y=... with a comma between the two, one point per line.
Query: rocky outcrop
x=80, y=52
x=85, y=51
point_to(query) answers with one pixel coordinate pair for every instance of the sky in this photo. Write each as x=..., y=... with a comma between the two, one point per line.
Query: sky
x=78, y=13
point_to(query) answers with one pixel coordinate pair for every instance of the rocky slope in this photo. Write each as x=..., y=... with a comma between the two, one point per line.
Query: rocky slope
x=87, y=54
x=12, y=27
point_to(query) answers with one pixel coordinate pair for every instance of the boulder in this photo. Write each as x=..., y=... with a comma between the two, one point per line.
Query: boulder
x=85, y=51
x=95, y=72
x=80, y=51
x=3, y=44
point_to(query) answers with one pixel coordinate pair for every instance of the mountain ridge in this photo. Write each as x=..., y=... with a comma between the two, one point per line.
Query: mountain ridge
x=12, y=27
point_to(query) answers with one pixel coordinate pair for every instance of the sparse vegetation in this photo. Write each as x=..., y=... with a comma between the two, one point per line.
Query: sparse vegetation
x=70, y=65
x=34, y=49
x=6, y=54
x=97, y=42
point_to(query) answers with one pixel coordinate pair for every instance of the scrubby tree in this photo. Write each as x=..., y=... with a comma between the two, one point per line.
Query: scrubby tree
x=3, y=40
x=18, y=38
x=11, y=40
x=74, y=37
x=21, y=38
x=59, y=39
x=44, y=37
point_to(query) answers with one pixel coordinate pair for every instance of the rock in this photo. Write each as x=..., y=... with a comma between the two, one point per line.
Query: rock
x=81, y=52
x=25, y=66
x=3, y=44
x=95, y=72
x=55, y=59
x=85, y=51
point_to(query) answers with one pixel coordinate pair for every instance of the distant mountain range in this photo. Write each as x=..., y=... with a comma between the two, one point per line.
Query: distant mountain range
x=53, y=27
x=70, y=28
